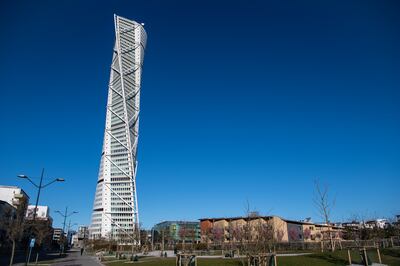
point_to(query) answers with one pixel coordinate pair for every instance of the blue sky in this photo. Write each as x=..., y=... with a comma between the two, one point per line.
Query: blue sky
x=241, y=101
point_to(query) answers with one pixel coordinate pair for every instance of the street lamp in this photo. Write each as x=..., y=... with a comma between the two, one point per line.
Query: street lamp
x=69, y=227
x=65, y=215
x=39, y=187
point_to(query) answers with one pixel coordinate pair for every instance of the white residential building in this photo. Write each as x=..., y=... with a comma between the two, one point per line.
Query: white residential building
x=377, y=223
x=42, y=212
x=75, y=240
x=57, y=234
x=83, y=232
x=13, y=195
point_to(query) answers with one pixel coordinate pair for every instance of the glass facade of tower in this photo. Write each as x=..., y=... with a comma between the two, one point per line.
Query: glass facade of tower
x=115, y=208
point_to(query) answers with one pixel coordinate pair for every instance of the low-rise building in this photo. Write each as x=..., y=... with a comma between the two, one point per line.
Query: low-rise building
x=83, y=232
x=354, y=225
x=377, y=223
x=75, y=240
x=78, y=239
x=42, y=213
x=178, y=231
x=70, y=235
x=57, y=232
x=274, y=228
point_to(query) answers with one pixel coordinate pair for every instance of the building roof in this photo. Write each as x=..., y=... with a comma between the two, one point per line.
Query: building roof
x=178, y=222
x=237, y=218
x=3, y=186
x=265, y=217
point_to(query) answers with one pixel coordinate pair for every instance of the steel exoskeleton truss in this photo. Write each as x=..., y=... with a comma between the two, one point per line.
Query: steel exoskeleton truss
x=116, y=198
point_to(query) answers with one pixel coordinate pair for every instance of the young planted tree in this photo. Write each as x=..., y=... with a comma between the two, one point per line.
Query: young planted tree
x=192, y=234
x=42, y=231
x=161, y=237
x=183, y=232
x=144, y=240
x=207, y=233
x=307, y=234
x=293, y=234
x=264, y=236
x=238, y=237
x=231, y=234
x=14, y=222
x=217, y=235
x=324, y=207
x=279, y=235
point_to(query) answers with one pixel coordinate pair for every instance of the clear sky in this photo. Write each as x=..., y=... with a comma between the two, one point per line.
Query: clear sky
x=241, y=100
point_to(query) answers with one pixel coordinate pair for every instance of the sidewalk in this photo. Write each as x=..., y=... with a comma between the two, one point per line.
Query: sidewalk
x=73, y=257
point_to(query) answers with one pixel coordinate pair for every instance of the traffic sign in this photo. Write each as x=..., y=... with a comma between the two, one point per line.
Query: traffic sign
x=32, y=243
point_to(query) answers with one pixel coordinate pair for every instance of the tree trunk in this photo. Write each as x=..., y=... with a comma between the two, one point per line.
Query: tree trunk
x=332, y=244
x=162, y=241
x=12, y=252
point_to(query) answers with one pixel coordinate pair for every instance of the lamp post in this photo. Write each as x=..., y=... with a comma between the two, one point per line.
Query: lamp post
x=65, y=215
x=69, y=227
x=39, y=187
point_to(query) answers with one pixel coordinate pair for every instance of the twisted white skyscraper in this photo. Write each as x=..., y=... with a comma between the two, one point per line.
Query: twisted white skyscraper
x=115, y=208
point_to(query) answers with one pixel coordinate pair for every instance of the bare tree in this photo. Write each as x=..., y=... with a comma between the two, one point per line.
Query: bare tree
x=324, y=207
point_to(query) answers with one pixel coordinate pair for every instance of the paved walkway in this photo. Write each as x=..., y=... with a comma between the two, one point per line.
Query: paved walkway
x=74, y=258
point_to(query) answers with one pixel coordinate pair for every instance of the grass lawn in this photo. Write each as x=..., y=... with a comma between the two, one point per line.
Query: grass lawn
x=389, y=256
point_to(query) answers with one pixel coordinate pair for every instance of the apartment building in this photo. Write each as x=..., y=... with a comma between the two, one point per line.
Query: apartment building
x=252, y=228
x=13, y=195
x=57, y=232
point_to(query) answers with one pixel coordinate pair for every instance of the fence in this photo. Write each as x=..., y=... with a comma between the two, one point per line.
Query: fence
x=304, y=246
